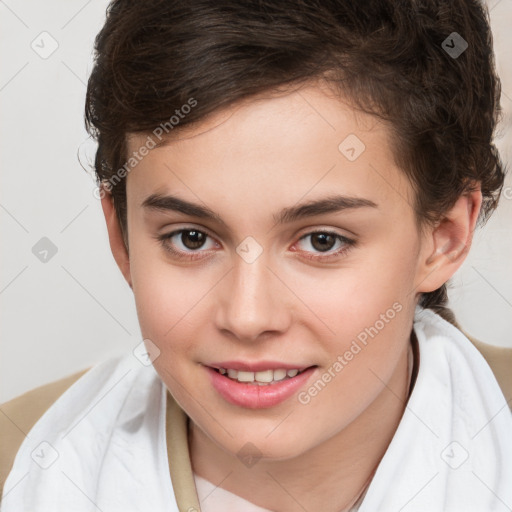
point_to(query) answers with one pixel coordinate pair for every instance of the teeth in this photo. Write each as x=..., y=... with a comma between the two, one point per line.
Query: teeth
x=279, y=374
x=261, y=378
x=265, y=376
x=245, y=376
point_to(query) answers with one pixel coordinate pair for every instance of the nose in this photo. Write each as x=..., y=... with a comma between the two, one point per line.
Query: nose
x=253, y=302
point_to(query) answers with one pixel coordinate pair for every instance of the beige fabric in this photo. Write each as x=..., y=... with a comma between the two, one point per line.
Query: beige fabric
x=500, y=360
x=19, y=415
x=180, y=468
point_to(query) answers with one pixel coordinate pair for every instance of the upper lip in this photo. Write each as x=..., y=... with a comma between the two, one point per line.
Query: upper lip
x=257, y=366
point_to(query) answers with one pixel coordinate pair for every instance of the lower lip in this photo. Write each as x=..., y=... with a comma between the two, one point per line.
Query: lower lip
x=253, y=396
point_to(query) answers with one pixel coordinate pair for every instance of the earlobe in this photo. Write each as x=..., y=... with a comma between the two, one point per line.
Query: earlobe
x=449, y=242
x=117, y=245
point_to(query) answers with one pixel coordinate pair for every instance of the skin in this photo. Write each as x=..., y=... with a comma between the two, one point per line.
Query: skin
x=246, y=163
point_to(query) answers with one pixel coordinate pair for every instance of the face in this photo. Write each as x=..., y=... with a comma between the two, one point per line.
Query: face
x=267, y=282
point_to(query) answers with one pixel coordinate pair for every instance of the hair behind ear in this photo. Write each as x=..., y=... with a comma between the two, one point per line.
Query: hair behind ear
x=437, y=301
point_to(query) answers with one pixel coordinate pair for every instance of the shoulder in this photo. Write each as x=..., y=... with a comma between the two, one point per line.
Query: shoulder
x=500, y=361
x=20, y=414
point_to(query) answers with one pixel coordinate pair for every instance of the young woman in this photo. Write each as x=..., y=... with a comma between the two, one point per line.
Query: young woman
x=287, y=187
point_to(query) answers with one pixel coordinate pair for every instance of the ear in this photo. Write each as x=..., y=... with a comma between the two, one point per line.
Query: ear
x=117, y=245
x=445, y=246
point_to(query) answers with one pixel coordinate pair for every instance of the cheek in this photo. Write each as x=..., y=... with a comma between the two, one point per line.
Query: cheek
x=352, y=297
x=168, y=302
x=365, y=311
x=363, y=356
x=166, y=297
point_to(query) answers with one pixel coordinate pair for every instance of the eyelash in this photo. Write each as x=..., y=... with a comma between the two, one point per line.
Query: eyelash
x=348, y=244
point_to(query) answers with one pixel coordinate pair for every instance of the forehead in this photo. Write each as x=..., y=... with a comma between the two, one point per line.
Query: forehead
x=290, y=144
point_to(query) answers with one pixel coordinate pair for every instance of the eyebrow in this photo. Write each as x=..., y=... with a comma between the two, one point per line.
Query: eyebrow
x=330, y=204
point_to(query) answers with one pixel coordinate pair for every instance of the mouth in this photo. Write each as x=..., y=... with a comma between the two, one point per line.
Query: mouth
x=259, y=389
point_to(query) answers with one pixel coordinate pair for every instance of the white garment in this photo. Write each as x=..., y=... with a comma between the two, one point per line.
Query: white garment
x=216, y=498
x=452, y=450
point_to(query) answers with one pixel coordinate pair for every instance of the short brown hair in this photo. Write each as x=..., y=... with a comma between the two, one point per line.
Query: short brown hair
x=388, y=56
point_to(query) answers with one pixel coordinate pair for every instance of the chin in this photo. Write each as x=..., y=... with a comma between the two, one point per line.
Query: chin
x=257, y=444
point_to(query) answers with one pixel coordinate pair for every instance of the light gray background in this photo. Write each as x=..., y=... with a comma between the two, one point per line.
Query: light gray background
x=76, y=310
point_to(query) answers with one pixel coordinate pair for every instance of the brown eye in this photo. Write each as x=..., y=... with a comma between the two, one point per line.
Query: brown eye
x=192, y=239
x=322, y=241
x=186, y=243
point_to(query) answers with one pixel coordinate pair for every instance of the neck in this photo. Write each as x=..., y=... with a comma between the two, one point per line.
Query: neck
x=319, y=479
